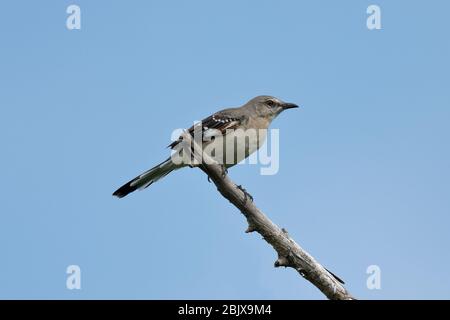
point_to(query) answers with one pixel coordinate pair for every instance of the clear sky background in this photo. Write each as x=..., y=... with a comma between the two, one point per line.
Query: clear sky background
x=364, y=176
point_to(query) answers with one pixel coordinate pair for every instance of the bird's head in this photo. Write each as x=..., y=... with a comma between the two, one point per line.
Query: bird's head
x=270, y=107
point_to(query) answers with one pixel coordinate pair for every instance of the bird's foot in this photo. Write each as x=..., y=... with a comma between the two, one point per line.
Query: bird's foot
x=246, y=194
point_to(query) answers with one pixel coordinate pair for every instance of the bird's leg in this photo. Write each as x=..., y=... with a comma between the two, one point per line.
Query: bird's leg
x=224, y=171
x=246, y=194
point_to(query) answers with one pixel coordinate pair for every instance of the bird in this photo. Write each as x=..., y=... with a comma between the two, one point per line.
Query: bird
x=256, y=115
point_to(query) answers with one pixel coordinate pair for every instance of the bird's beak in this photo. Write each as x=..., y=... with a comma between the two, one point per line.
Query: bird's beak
x=289, y=106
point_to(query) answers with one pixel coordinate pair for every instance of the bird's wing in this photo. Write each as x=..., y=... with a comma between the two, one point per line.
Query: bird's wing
x=210, y=126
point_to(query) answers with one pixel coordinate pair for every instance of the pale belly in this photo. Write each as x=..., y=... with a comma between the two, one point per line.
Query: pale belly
x=236, y=146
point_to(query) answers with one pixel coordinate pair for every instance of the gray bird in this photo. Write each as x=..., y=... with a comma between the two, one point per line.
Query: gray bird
x=256, y=116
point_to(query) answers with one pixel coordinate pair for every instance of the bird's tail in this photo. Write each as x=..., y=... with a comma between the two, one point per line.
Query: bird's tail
x=147, y=178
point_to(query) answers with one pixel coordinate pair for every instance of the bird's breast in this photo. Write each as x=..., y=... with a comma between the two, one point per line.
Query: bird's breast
x=236, y=145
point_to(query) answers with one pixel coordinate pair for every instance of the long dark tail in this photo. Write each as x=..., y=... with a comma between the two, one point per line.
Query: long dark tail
x=145, y=179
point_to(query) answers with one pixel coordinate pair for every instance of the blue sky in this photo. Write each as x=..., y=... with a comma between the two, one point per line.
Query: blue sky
x=364, y=173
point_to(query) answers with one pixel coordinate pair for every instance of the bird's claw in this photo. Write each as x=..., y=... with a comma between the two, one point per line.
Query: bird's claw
x=246, y=194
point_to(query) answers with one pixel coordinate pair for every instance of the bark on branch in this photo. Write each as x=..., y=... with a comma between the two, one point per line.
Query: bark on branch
x=290, y=254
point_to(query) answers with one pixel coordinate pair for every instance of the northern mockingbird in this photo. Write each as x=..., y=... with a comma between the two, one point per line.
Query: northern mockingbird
x=256, y=116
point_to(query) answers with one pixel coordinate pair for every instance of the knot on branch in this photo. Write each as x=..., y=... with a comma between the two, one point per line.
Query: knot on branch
x=282, y=262
x=302, y=272
x=251, y=228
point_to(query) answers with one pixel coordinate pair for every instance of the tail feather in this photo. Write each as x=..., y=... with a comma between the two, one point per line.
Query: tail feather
x=145, y=179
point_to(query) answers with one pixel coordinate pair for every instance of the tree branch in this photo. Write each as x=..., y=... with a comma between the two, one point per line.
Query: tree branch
x=290, y=254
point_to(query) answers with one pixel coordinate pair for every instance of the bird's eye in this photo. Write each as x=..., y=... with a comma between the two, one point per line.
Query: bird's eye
x=270, y=103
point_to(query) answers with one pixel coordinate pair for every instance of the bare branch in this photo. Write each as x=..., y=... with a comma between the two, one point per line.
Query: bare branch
x=290, y=254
